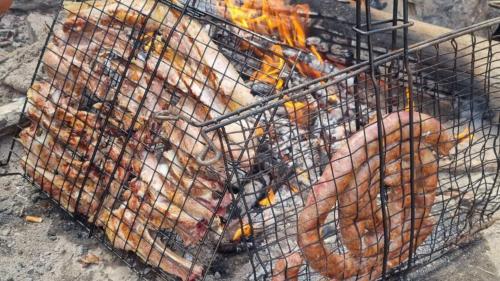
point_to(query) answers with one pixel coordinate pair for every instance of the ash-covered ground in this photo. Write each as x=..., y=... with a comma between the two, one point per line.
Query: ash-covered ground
x=54, y=248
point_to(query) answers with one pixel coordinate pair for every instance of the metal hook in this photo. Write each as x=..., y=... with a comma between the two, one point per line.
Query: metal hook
x=169, y=115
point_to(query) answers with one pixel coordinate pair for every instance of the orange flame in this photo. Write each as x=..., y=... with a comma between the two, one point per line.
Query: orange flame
x=271, y=68
x=274, y=18
x=407, y=106
x=269, y=200
x=246, y=232
x=465, y=135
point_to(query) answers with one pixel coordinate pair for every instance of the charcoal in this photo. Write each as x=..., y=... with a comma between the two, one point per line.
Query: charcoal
x=262, y=89
x=313, y=41
x=323, y=47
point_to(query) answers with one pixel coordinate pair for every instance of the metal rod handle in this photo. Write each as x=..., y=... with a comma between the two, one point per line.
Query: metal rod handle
x=169, y=115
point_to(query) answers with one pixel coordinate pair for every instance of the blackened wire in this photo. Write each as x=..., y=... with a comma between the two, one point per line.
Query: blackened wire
x=267, y=102
x=381, y=141
x=66, y=78
x=412, y=133
x=108, y=114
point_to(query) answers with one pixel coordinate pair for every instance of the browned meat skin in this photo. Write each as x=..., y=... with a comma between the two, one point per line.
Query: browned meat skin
x=161, y=183
x=54, y=104
x=361, y=147
x=209, y=192
x=62, y=176
x=62, y=188
x=187, y=138
x=287, y=268
x=129, y=233
x=44, y=152
x=361, y=221
x=160, y=213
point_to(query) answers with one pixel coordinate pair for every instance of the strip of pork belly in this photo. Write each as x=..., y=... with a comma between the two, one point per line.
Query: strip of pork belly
x=47, y=152
x=149, y=173
x=65, y=192
x=119, y=13
x=214, y=196
x=205, y=50
x=128, y=232
x=160, y=214
x=53, y=104
x=62, y=177
x=72, y=75
x=187, y=137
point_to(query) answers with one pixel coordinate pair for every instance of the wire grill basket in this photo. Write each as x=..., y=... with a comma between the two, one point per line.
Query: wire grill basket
x=191, y=145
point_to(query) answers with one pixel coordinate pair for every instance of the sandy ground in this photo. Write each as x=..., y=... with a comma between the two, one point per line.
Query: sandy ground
x=52, y=249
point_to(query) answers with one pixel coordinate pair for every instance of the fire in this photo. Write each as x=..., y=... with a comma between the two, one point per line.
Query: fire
x=299, y=111
x=274, y=18
x=269, y=200
x=245, y=231
x=271, y=67
x=407, y=106
x=465, y=135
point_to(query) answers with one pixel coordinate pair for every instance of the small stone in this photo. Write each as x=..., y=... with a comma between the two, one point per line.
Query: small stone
x=31, y=271
x=5, y=232
x=20, y=252
x=217, y=275
x=146, y=270
x=19, y=211
x=82, y=250
x=52, y=238
x=38, y=23
x=326, y=36
x=313, y=41
x=35, y=197
x=51, y=232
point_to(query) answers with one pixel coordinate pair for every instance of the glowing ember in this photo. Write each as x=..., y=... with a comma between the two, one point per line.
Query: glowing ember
x=246, y=232
x=299, y=112
x=269, y=200
x=294, y=188
x=275, y=19
x=465, y=135
x=407, y=106
x=271, y=68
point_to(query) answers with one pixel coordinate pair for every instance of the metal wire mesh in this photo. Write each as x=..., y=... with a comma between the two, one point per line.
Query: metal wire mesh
x=194, y=144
